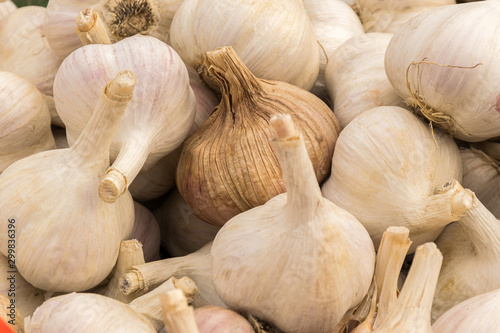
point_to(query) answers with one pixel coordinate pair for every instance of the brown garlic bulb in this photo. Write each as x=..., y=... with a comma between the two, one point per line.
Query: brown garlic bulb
x=227, y=166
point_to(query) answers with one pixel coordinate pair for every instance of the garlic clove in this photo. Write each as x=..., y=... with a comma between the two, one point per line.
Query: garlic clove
x=227, y=166
x=178, y=316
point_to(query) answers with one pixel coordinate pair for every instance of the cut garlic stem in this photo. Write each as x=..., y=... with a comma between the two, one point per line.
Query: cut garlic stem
x=178, y=315
x=90, y=28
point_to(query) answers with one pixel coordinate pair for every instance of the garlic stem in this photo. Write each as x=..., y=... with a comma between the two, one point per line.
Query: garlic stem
x=123, y=171
x=178, y=316
x=303, y=191
x=90, y=28
x=94, y=142
x=149, y=305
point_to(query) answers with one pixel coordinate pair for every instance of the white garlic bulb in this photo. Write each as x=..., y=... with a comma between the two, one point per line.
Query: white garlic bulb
x=6, y=7
x=157, y=119
x=65, y=237
x=285, y=261
x=355, y=77
x=146, y=231
x=214, y=319
x=446, y=72
x=25, y=50
x=24, y=120
x=274, y=39
x=389, y=169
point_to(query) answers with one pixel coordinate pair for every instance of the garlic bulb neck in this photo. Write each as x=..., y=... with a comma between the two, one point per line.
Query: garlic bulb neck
x=90, y=28
x=96, y=137
x=178, y=316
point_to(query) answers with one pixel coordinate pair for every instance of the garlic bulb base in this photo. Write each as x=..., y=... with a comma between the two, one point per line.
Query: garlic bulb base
x=90, y=29
x=178, y=316
x=112, y=186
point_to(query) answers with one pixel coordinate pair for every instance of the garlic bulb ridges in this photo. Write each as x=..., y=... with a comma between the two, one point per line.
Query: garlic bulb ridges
x=178, y=316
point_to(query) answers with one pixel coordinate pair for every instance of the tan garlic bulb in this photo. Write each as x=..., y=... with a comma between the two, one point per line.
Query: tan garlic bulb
x=6, y=7
x=227, y=166
x=389, y=16
x=445, y=72
x=195, y=265
x=355, y=77
x=389, y=169
x=297, y=246
x=24, y=120
x=25, y=50
x=274, y=39
x=482, y=176
x=9, y=316
x=146, y=231
x=334, y=22
x=157, y=119
x=70, y=242
x=471, y=254
x=477, y=314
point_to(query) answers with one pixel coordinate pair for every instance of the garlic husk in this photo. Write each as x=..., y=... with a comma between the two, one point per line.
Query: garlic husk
x=334, y=22
x=9, y=313
x=355, y=77
x=70, y=242
x=482, y=176
x=25, y=50
x=195, y=265
x=24, y=120
x=148, y=130
x=26, y=297
x=146, y=231
x=178, y=316
x=215, y=319
x=275, y=40
x=388, y=15
x=471, y=253
x=54, y=117
x=182, y=233
x=227, y=166
x=439, y=65
x=297, y=246
x=477, y=314
x=411, y=311
x=6, y=7
x=390, y=170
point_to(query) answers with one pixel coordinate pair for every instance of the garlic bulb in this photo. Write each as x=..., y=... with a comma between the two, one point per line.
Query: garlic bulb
x=24, y=120
x=482, y=176
x=227, y=166
x=25, y=50
x=62, y=245
x=389, y=16
x=471, y=253
x=355, y=77
x=12, y=285
x=334, y=22
x=298, y=246
x=9, y=316
x=444, y=71
x=491, y=148
x=195, y=265
x=157, y=119
x=477, y=314
x=182, y=232
x=214, y=319
x=6, y=7
x=389, y=169
x=274, y=39
x=146, y=231
x=178, y=316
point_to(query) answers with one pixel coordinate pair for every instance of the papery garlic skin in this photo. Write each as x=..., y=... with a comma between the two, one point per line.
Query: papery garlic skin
x=214, y=319
x=24, y=120
x=355, y=77
x=482, y=176
x=457, y=81
x=25, y=50
x=275, y=39
x=6, y=7
x=387, y=169
x=146, y=231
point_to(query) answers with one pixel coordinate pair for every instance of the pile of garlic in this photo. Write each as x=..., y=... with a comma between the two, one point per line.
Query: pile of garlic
x=290, y=166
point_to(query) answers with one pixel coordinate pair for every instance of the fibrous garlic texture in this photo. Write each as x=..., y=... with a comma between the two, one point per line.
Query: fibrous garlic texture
x=298, y=246
x=440, y=66
x=71, y=244
x=477, y=314
x=6, y=7
x=146, y=231
x=195, y=265
x=355, y=77
x=25, y=50
x=274, y=39
x=390, y=15
x=482, y=176
x=182, y=232
x=227, y=166
x=157, y=119
x=178, y=316
x=471, y=251
x=390, y=170
x=24, y=120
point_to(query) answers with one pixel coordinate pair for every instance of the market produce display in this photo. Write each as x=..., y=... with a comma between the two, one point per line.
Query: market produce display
x=239, y=166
